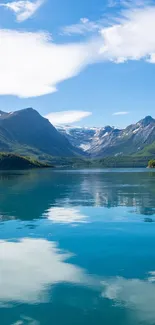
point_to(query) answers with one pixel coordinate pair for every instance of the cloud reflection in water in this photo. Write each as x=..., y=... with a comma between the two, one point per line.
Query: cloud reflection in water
x=65, y=215
x=24, y=320
x=29, y=267
x=136, y=295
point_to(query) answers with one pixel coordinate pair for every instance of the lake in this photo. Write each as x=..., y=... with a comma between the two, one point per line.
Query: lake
x=77, y=247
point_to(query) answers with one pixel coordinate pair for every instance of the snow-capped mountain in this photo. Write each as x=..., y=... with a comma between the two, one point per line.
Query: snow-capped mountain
x=106, y=141
x=85, y=138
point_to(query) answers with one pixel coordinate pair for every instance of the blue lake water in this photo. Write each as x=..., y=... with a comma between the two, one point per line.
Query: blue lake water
x=77, y=247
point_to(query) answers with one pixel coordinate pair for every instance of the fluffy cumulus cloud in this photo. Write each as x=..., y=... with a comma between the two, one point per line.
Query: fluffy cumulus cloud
x=32, y=65
x=23, y=9
x=67, y=117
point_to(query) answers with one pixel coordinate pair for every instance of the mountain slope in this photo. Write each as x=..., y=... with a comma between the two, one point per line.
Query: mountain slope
x=28, y=129
x=148, y=151
x=109, y=141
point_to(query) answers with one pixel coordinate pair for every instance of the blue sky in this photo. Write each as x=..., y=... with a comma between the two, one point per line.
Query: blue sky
x=84, y=59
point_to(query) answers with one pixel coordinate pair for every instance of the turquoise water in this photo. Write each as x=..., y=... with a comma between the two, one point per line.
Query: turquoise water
x=77, y=247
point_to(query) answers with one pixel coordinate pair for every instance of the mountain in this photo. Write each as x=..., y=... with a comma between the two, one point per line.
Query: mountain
x=109, y=141
x=26, y=131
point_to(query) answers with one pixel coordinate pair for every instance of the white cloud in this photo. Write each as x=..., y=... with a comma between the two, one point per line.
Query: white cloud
x=128, y=3
x=129, y=35
x=67, y=117
x=83, y=27
x=65, y=215
x=31, y=65
x=23, y=9
x=120, y=113
x=30, y=267
x=132, y=38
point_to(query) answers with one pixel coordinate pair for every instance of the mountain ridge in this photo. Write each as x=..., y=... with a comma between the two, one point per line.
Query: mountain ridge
x=27, y=133
x=107, y=141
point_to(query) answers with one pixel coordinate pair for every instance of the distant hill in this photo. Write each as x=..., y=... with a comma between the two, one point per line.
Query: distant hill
x=27, y=132
x=12, y=162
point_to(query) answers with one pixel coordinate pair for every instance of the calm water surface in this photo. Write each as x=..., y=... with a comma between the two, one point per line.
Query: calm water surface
x=77, y=247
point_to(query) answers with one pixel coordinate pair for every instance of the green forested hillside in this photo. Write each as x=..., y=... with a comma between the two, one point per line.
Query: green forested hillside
x=148, y=151
x=11, y=161
x=108, y=162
